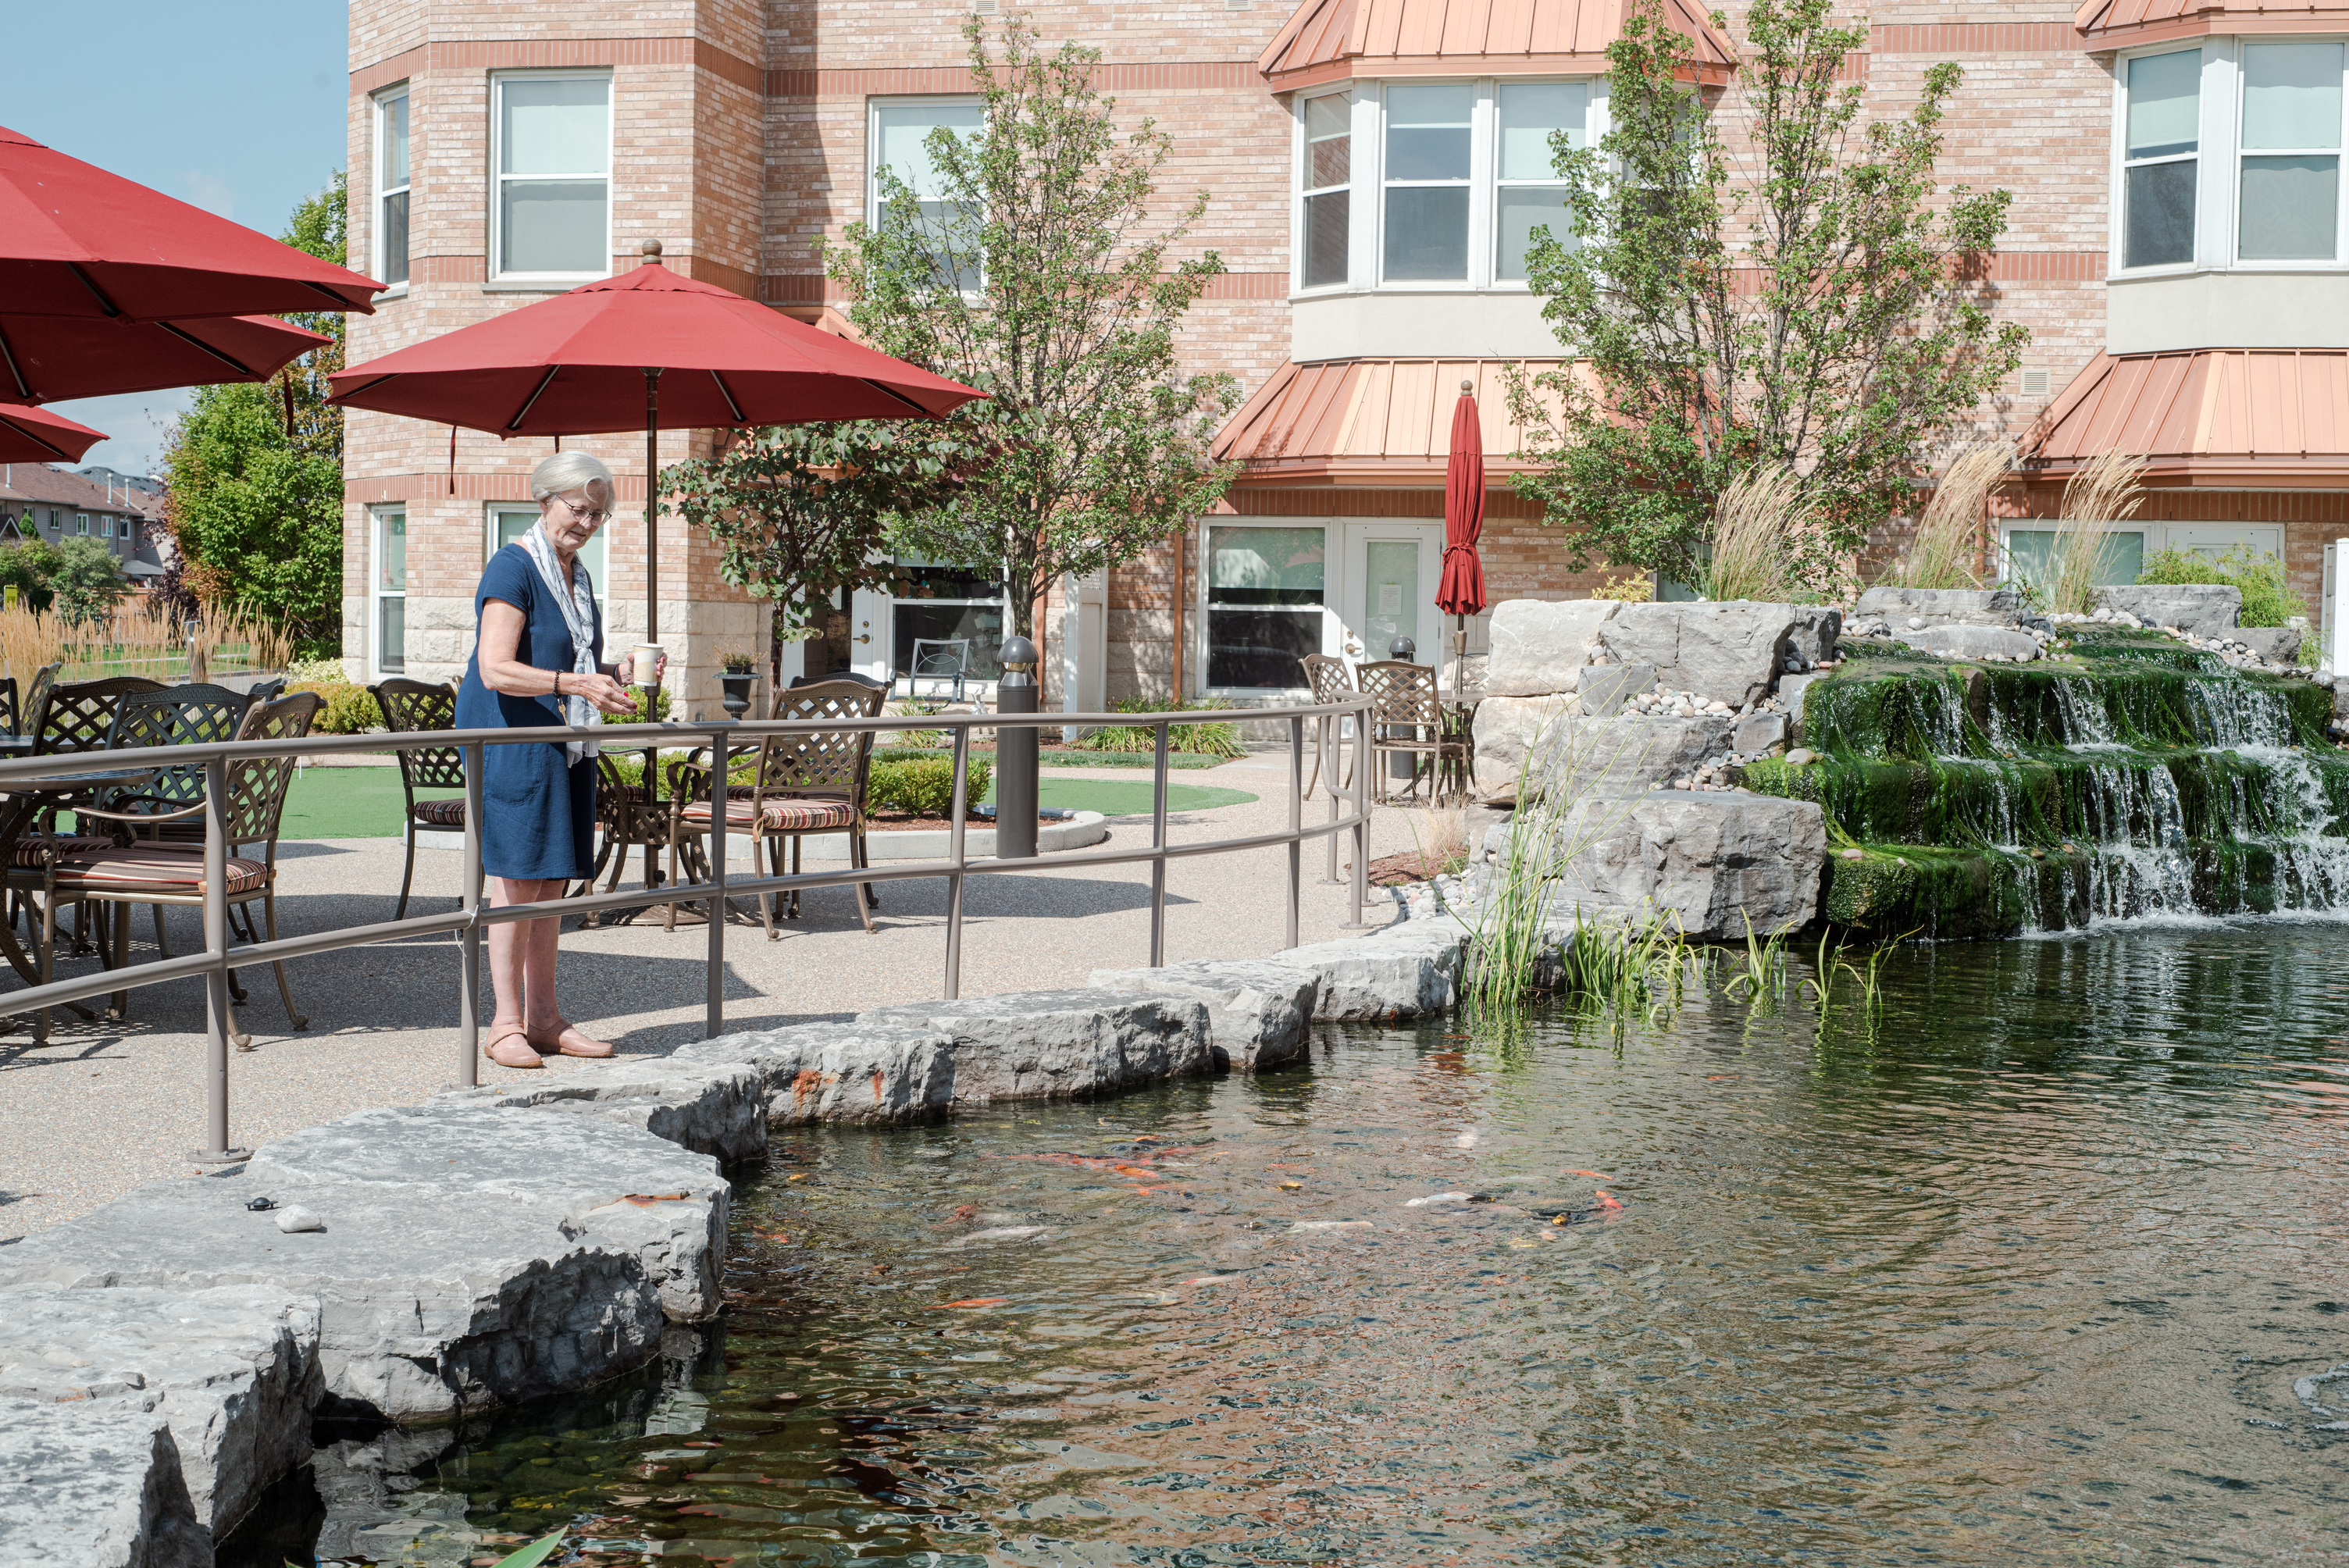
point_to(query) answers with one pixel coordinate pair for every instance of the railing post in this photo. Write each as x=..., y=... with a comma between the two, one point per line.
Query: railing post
x=469, y=947
x=1296, y=822
x=955, y=855
x=1158, y=843
x=1332, y=742
x=216, y=1150
x=721, y=804
x=1364, y=759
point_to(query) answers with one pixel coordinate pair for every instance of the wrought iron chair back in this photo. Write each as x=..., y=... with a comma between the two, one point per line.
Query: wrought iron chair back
x=827, y=762
x=79, y=715
x=27, y=719
x=1330, y=682
x=256, y=786
x=189, y=714
x=414, y=706
x=1404, y=696
x=1326, y=676
x=8, y=705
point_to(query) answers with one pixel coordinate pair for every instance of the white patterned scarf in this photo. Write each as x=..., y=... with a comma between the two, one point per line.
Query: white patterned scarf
x=578, y=606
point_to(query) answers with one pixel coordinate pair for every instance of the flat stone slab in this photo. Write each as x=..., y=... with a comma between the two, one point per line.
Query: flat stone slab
x=1940, y=607
x=94, y=1487
x=1960, y=642
x=1732, y=652
x=1539, y=645
x=1259, y=1014
x=234, y=1371
x=1061, y=1045
x=1400, y=971
x=875, y=1075
x=471, y=1258
x=2205, y=609
x=712, y=1107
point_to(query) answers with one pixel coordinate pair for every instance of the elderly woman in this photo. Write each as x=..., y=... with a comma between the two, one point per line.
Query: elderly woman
x=538, y=652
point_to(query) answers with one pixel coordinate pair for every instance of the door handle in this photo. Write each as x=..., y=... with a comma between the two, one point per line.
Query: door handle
x=864, y=639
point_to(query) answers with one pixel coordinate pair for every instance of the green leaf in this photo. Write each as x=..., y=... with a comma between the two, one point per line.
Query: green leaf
x=536, y=1552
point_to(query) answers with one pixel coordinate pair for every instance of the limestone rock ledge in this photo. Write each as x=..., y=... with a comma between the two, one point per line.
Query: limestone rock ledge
x=1060, y=1044
x=709, y=1106
x=878, y=1076
x=94, y=1488
x=234, y=1371
x=1259, y=1012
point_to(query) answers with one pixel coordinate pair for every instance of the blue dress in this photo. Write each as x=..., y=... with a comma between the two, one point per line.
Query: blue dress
x=539, y=808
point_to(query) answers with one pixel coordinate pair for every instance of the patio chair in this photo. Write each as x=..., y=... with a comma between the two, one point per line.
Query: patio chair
x=1330, y=683
x=808, y=782
x=626, y=817
x=24, y=717
x=1406, y=717
x=416, y=707
x=159, y=873
x=175, y=715
x=948, y=659
x=79, y=716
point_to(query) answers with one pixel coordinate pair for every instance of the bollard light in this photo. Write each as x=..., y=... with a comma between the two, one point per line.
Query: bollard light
x=1015, y=755
x=1403, y=648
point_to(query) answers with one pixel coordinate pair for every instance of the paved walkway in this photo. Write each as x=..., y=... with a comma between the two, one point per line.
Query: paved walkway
x=107, y=1105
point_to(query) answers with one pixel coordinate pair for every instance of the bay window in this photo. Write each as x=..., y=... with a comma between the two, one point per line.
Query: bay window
x=1528, y=194
x=1265, y=588
x=900, y=138
x=2160, y=158
x=1327, y=178
x=551, y=211
x=2290, y=192
x=1429, y=131
x=391, y=188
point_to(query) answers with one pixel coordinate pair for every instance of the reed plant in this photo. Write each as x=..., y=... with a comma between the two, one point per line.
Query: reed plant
x=1627, y=969
x=1946, y=550
x=1558, y=818
x=1766, y=532
x=1762, y=980
x=137, y=636
x=2107, y=488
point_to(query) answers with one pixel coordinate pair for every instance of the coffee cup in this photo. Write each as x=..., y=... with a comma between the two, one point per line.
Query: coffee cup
x=644, y=660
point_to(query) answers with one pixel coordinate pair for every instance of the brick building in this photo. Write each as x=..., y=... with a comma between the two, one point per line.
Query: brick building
x=37, y=501
x=1373, y=168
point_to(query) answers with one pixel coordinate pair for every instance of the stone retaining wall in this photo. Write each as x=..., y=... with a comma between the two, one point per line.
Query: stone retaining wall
x=162, y=1359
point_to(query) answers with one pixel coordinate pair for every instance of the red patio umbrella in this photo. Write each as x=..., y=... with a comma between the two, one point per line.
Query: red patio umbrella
x=49, y=359
x=77, y=240
x=38, y=436
x=1460, y=591
x=593, y=362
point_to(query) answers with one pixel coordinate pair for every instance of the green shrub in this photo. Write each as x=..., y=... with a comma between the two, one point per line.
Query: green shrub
x=2268, y=599
x=349, y=710
x=920, y=787
x=1215, y=740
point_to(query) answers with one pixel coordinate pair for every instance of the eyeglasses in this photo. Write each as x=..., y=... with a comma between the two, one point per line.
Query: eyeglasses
x=592, y=519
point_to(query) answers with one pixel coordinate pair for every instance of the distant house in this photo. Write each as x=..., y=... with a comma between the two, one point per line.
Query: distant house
x=123, y=513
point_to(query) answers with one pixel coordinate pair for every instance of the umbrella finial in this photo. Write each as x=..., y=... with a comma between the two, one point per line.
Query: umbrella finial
x=651, y=248
x=1467, y=386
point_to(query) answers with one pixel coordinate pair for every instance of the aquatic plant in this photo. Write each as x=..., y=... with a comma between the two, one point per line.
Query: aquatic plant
x=1627, y=968
x=1945, y=551
x=1763, y=979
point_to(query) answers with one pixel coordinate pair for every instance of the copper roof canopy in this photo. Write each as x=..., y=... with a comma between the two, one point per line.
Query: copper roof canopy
x=2272, y=417
x=1335, y=40
x=1369, y=421
x=2124, y=24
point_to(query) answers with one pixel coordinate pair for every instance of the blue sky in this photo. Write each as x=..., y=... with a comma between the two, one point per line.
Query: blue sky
x=233, y=105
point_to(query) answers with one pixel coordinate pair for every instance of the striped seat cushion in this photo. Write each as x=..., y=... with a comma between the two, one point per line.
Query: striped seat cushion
x=28, y=847
x=784, y=813
x=450, y=813
x=150, y=867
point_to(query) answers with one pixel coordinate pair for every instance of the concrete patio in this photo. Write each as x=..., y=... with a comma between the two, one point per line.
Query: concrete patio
x=108, y=1105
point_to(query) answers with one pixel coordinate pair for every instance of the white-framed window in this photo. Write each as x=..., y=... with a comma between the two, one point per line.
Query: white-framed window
x=945, y=626
x=2025, y=544
x=1430, y=146
x=2288, y=187
x=105, y=527
x=387, y=597
x=391, y=187
x=551, y=174
x=1267, y=589
x=899, y=136
x=1527, y=192
x=56, y=520
x=81, y=522
x=509, y=523
x=1325, y=190
x=2160, y=157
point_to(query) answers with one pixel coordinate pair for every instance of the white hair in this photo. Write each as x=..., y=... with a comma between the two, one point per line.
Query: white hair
x=568, y=471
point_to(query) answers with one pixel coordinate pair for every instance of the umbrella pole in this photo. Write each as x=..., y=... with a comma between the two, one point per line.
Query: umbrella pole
x=652, y=507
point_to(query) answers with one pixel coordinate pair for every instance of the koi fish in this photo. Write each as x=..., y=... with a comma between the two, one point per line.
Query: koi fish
x=974, y=1301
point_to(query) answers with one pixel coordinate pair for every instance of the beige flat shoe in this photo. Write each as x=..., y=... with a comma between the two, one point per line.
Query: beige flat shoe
x=570, y=1040
x=510, y=1047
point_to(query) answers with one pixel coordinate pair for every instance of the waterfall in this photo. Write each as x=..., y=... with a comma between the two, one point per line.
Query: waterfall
x=2136, y=780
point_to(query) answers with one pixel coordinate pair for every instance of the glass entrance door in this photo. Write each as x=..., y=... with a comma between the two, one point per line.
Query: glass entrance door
x=1390, y=589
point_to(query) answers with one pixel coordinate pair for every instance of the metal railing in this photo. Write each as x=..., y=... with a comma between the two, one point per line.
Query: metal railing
x=213, y=964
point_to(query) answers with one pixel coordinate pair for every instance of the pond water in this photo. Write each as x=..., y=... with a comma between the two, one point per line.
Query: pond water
x=2046, y=1266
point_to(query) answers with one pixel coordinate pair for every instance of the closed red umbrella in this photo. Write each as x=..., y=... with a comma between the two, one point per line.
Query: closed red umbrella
x=49, y=359
x=620, y=352
x=77, y=241
x=1460, y=591
x=38, y=436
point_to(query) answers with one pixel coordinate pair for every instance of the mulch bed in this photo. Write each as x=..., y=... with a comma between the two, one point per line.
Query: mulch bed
x=897, y=823
x=1412, y=866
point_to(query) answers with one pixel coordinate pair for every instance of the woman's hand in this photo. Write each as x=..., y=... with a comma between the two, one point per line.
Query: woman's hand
x=602, y=692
